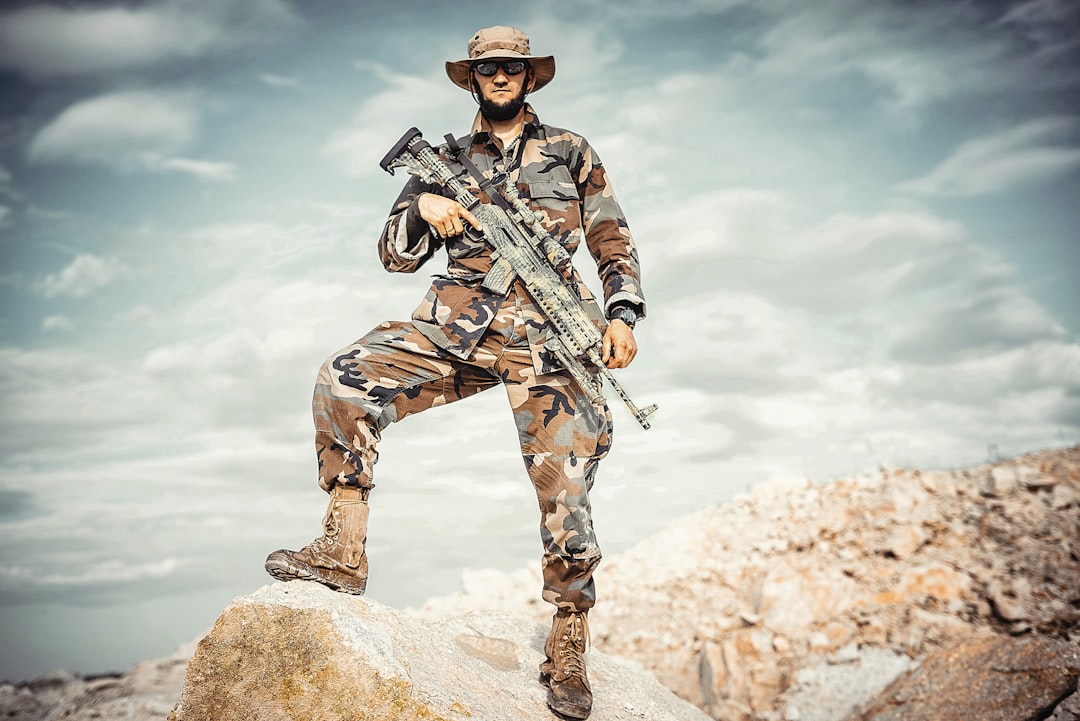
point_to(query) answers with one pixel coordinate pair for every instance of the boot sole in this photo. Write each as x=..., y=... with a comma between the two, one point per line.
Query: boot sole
x=284, y=569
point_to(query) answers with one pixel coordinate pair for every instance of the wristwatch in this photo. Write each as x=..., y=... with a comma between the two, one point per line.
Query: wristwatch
x=625, y=314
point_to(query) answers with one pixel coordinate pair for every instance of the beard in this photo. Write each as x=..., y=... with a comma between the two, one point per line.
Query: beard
x=499, y=112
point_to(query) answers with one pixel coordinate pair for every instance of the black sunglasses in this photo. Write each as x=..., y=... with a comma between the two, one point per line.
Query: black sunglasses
x=488, y=68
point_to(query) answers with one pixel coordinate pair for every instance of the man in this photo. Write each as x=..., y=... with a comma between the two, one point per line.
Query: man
x=463, y=339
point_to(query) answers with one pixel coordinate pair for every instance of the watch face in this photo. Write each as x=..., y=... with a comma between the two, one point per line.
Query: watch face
x=626, y=316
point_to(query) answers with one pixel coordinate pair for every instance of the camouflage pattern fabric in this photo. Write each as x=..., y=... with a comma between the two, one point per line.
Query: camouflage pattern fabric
x=560, y=176
x=395, y=371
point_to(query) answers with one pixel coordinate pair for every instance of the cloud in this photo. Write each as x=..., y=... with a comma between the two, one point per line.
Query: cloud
x=130, y=131
x=105, y=572
x=53, y=40
x=776, y=310
x=8, y=191
x=1037, y=151
x=999, y=318
x=357, y=148
x=84, y=275
x=1049, y=23
x=126, y=123
x=201, y=169
x=906, y=57
x=279, y=81
x=897, y=56
x=54, y=323
x=888, y=337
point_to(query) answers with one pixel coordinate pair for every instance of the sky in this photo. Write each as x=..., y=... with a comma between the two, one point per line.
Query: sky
x=858, y=226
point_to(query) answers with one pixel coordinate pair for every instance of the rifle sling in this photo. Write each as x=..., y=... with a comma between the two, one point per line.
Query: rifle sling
x=502, y=274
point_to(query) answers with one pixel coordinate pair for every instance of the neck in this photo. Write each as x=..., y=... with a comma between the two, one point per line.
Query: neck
x=507, y=130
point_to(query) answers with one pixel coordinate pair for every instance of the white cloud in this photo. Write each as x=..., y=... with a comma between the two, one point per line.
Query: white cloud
x=84, y=275
x=279, y=81
x=899, y=56
x=201, y=169
x=123, y=123
x=1038, y=151
x=54, y=323
x=110, y=571
x=906, y=286
x=131, y=131
x=50, y=40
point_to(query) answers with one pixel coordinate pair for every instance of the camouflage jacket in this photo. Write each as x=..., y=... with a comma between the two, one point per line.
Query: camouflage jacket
x=559, y=176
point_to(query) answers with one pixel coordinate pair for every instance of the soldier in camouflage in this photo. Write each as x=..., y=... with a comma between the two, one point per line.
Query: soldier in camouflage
x=463, y=339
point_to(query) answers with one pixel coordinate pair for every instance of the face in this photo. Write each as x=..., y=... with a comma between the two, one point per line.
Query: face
x=502, y=95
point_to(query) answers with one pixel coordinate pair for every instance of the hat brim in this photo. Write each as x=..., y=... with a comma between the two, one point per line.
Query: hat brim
x=543, y=68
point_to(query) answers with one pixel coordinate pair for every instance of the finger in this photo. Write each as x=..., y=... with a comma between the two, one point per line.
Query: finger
x=472, y=219
x=618, y=355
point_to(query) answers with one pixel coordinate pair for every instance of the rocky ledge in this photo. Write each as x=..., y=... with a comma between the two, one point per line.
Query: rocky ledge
x=300, y=652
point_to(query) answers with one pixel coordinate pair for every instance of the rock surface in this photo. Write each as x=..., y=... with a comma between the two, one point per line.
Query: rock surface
x=300, y=652
x=995, y=678
x=145, y=693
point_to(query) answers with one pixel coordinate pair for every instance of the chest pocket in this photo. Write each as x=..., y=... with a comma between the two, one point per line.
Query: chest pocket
x=553, y=189
x=555, y=196
x=554, y=182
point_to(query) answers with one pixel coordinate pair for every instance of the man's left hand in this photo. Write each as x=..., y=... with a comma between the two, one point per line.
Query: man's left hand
x=619, y=345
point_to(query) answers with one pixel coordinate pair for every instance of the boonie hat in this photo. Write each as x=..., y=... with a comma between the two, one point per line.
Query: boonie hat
x=501, y=42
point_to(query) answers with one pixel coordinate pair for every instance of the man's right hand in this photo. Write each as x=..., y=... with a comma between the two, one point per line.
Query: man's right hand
x=445, y=215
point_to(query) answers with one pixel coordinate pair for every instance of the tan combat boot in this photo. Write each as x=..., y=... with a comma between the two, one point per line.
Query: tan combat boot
x=337, y=559
x=564, y=669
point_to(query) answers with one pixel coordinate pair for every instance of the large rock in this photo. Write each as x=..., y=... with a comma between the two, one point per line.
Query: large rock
x=990, y=679
x=299, y=652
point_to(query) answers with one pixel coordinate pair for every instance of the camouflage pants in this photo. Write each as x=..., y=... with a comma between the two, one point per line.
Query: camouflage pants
x=394, y=371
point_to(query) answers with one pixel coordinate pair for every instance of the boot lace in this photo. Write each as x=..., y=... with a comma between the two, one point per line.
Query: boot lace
x=332, y=523
x=572, y=643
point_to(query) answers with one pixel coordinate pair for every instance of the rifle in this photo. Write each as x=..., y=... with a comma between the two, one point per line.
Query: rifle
x=522, y=248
